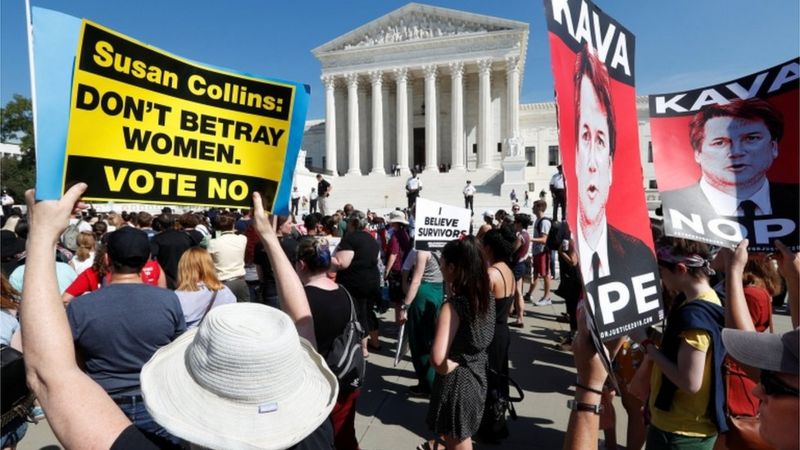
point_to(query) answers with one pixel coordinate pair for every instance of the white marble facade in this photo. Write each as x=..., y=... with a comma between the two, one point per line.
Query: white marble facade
x=421, y=86
x=467, y=67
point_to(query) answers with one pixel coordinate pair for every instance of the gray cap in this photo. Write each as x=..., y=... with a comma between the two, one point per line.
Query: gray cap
x=773, y=352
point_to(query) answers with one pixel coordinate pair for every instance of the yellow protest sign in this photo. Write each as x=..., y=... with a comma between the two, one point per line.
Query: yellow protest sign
x=147, y=126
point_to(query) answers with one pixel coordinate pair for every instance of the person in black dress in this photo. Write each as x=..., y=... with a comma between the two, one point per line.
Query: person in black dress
x=498, y=248
x=459, y=358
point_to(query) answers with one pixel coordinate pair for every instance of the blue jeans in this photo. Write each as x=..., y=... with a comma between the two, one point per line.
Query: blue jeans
x=135, y=411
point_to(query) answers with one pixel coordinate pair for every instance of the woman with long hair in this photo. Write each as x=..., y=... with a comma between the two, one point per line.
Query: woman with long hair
x=15, y=429
x=498, y=247
x=199, y=290
x=330, y=301
x=463, y=333
x=84, y=255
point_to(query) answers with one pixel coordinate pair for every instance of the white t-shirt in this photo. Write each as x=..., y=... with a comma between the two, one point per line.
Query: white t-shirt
x=557, y=181
x=469, y=190
x=414, y=184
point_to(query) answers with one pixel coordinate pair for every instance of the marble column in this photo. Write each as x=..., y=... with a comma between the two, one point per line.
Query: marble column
x=353, y=155
x=377, y=123
x=484, y=113
x=431, y=113
x=401, y=78
x=457, y=116
x=512, y=129
x=330, y=123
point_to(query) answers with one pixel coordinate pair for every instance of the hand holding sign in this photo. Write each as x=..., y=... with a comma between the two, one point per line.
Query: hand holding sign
x=53, y=215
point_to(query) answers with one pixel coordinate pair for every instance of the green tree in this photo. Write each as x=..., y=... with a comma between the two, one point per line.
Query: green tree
x=16, y=127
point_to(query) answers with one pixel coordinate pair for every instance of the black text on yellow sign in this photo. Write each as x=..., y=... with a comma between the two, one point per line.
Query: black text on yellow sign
x=127, y=181
x=164, y=130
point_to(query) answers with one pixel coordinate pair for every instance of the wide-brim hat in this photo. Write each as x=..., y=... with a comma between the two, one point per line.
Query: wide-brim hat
x=398, y=217
x=243, y=379
x=773, y=352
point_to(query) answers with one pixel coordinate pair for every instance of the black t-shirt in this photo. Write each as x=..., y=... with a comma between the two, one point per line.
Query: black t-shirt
x=331, y=309
x=322, y=188
x=289, y=246
x=132, y=439
x=168, y=247
x=361, y=278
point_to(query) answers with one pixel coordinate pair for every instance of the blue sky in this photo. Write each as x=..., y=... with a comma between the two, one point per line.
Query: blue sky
x=680, y=44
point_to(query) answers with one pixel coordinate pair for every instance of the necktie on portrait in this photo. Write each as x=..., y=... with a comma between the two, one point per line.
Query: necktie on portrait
x=748, y=207
x=595, y=266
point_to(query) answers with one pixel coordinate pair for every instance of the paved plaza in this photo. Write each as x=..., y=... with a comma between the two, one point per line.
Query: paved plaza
x=389, y=420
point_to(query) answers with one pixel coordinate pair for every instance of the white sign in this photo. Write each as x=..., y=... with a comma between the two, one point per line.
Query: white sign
x=437, y=224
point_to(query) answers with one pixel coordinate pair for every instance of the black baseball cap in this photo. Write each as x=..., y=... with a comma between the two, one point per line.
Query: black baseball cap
x=129, y=246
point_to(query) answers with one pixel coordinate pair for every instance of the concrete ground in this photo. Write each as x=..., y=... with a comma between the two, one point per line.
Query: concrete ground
x=388, y=419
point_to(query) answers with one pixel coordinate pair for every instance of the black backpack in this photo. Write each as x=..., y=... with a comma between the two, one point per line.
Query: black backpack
x=345, y=359
x=555, y=236
x=16, y=397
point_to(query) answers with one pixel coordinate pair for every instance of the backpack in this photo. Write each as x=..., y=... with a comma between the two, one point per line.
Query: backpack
x=17, y=399
x=555, y=236
x=345, y=358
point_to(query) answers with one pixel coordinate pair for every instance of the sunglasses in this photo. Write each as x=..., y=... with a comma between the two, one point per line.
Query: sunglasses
x=774, y=386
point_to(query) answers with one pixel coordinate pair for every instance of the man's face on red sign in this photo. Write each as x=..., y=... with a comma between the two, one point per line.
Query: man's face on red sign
x=593, y=156
x=736, y=153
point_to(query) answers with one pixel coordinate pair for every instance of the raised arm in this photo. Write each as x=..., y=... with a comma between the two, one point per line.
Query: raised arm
x=737, y=315
x=789, y=267
x=79, y=411
x=291, y=294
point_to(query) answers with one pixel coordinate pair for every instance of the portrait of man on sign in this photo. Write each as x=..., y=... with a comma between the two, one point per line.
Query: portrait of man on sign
x=735, y=144
x=604, y=251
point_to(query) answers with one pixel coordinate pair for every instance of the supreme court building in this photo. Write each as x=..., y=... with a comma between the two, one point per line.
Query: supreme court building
x=422, y=86
x=425, y=86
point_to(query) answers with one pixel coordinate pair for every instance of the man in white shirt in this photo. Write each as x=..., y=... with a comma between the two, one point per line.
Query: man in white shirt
x=295, y=200
x=469, y=191
x=227, y=251
x=559, y=194
x=312, y=201
x=413, y=186
x=735, y=145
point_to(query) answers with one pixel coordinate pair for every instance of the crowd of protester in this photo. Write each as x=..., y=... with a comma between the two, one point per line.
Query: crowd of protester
x=214, y=329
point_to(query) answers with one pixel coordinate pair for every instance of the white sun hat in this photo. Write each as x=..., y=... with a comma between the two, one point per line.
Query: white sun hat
x=398, y=217
x=243, y=379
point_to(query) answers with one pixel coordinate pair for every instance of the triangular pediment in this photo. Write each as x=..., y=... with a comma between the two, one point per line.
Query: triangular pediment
x=417, y=22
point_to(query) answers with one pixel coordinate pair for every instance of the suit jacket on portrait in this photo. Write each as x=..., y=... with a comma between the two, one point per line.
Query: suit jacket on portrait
x=691, y=200
x=628, y=257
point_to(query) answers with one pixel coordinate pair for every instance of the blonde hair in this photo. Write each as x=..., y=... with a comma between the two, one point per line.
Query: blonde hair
x=196, y=267
x=86, y=245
